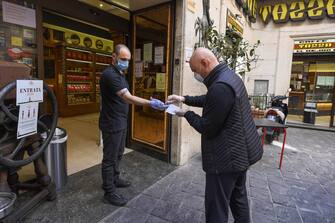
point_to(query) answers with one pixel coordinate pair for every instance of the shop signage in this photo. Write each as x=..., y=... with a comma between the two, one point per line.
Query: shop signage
x=233, y=23
x=249, y=8
x=298, y=10
x=83, y=39
x=314, y=46
x=29, y=91
x=28, y=95
x=27, y=124
x=19, y=15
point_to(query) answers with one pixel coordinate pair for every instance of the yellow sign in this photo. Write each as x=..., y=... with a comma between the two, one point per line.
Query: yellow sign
x=314, y=46
x=249, y=8
x=233, y=23
x=297, y=10
x=16, y=41
x=97, y=42
x=160, y=82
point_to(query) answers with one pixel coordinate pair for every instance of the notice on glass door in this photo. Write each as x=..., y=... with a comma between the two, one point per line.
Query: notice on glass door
x=138, y=69
x=159, y=55
x=138, y=55
x=147, y=52
x=27, y=124
x=19, y=15
x=160, y=82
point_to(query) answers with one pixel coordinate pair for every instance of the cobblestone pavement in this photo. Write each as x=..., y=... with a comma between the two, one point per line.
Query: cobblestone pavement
x=303, y=191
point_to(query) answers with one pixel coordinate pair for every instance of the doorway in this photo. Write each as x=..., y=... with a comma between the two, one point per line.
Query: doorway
x=312, y=83
x=151, y=76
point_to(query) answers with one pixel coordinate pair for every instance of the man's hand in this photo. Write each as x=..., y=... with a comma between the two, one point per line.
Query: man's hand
x=175, y=99
x=157, y=104
x=181, y=112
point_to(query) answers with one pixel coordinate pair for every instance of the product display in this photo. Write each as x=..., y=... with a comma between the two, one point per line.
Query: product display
x=82, y=71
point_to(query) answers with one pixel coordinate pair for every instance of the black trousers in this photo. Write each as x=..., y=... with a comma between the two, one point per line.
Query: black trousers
x=224, y=190
x=113, y=149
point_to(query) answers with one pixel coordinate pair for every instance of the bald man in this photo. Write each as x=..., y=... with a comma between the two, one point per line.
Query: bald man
x=115, y=100
x=229, y=139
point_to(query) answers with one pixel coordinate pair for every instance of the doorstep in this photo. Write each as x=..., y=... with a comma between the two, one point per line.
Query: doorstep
x=81, y=199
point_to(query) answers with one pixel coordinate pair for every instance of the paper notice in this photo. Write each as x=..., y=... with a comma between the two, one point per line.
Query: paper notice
x=172, y=109
x=27, y=124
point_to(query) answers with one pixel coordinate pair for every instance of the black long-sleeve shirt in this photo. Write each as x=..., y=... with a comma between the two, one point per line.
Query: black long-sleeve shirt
x=217, y=105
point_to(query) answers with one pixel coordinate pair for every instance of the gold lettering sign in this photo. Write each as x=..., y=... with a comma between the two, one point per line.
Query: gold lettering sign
x=280, y=13
x=265, y=13
x=331, y=8
x=316, y=9
x=249, y=8
x=314, y=46
x=297, y=10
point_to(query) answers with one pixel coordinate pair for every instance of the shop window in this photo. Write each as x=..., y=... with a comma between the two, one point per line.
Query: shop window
x=312, y=81
x=18, y=33
x=261, y=87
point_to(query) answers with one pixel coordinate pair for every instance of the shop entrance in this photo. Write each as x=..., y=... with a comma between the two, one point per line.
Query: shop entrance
x=312, y=97
x=77, y=51
x=151, y=76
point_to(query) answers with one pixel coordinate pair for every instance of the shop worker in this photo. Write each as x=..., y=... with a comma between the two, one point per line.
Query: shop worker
x=115, y=100
x=229, y=139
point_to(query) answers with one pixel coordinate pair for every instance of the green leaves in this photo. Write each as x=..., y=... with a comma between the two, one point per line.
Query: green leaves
x=230, y=48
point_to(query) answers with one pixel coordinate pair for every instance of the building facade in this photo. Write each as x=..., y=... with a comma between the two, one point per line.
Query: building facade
x=69, y=48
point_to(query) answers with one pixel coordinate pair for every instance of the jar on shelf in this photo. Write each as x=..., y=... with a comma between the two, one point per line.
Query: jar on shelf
x=68, y=54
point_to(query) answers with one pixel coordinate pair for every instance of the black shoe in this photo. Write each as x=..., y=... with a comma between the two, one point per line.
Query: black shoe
x=122, y=183
x=115, y=199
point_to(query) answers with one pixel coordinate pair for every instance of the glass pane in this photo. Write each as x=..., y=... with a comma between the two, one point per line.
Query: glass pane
x=151, y=74
x=312, y=84
x=297, y=95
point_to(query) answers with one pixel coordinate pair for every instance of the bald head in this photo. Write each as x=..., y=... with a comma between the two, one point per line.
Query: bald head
x=203, y=61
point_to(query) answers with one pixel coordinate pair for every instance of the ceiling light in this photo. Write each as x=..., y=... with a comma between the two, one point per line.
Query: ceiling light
x=101, y=5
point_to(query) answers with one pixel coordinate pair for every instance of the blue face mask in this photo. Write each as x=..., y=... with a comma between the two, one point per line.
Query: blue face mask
x=122, y=64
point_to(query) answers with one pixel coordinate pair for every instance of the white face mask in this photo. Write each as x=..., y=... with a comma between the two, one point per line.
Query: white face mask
x=198, y=77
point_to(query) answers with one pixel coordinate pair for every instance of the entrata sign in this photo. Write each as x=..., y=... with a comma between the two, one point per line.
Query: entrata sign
x=314, y=46
x=297, y=10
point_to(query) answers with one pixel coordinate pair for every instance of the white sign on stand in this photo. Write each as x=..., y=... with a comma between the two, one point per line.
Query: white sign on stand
x=29, y=91
x=27, y=124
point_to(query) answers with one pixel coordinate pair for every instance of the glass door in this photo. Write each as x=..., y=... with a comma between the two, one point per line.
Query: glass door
x=312, y=98
x=151, y=75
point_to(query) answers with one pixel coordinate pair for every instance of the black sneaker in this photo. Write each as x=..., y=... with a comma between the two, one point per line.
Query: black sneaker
x=122, y=183
x=115, y=199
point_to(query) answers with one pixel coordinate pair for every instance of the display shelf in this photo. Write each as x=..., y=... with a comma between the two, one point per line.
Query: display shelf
x=79, y=61
x=78, y=50
x=79, y=82
x=73, y=93
x=103, y=64
x=82, y=103
x=79, y=72
x=79, y=66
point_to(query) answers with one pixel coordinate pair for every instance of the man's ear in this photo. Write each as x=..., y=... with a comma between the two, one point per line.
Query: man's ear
x=204, y=62
x=114, y=57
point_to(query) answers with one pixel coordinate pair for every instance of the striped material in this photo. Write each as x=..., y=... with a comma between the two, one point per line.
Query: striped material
x=238, y=145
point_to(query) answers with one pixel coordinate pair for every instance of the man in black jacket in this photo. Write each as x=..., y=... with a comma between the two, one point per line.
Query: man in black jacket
x=229, y=139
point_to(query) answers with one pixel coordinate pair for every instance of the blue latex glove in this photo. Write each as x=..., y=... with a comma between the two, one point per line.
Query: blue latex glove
x=157, y=104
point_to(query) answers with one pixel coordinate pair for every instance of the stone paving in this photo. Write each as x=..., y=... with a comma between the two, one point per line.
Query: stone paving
x=302, y=192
